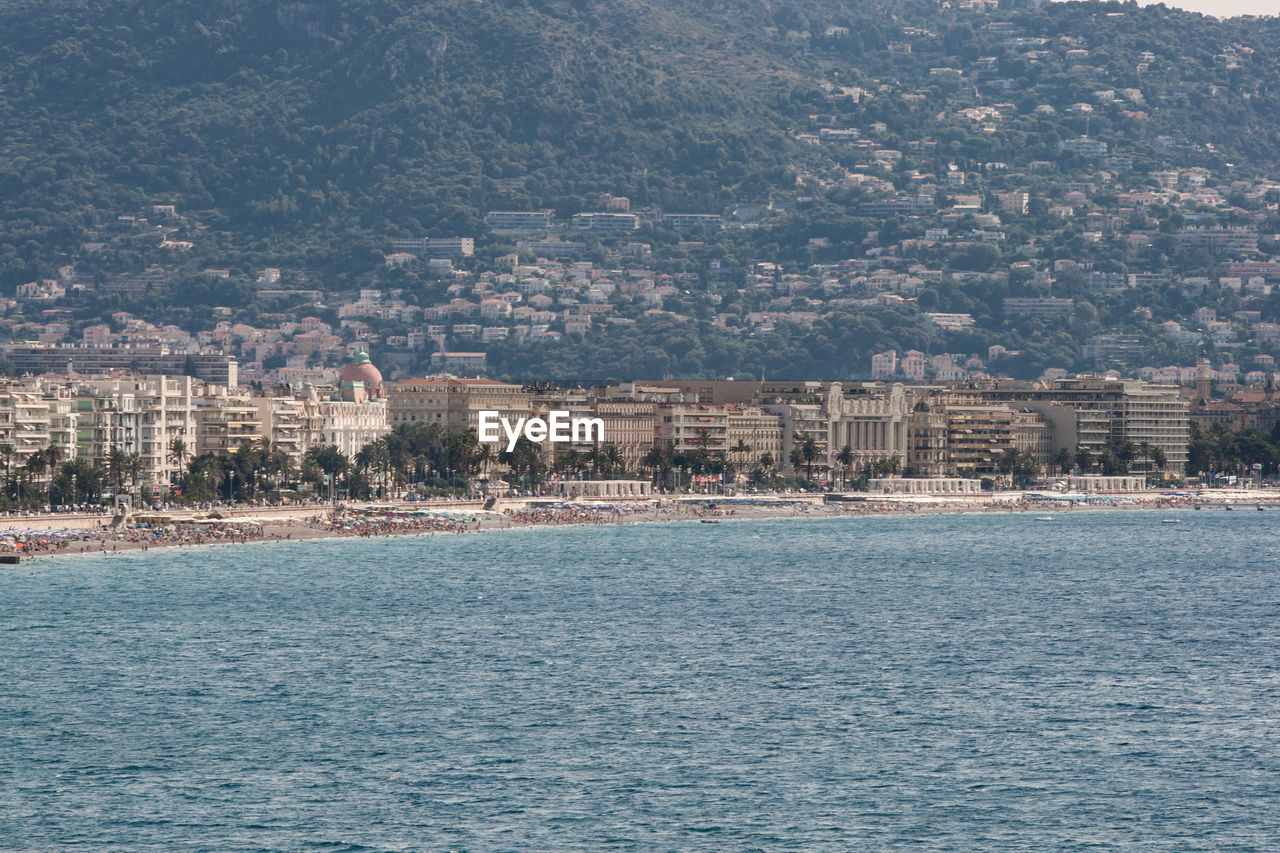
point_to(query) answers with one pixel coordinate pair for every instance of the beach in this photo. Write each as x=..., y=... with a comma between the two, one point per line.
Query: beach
x=35, y=536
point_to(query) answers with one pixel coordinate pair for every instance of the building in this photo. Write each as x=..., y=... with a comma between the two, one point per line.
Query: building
x=1047, y=307
x=1220, y=240
x=350, y=425
x=605, y=222
x=216, y=368
x=225, y=422
x=949, y=322
x=360, y=381
x=907, y=206
x=692, y=221
x=913, y=365
x=758, y=433
x=519, y=220
x=927, y=439
x=1014, y=202
x=1127, y=410
x=1084, y=146
x=628, y=426
x=978, y=436
x=603, y=488
x=690, y=427
x=143, y=415
x=555, y=248
x=447, y=247
x=466, y=362
x=292, y=425
x=1113, y=347
x=925, y=485
x=872, y=421
x=884, y=365
x=455, y=404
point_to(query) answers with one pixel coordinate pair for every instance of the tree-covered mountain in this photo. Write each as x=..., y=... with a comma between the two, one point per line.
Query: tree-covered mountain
x=315, y=123
x=304, y=134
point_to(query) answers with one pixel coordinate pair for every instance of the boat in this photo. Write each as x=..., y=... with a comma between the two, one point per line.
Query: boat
x=1044, y=518
x=1171, y=521
x=710, y=520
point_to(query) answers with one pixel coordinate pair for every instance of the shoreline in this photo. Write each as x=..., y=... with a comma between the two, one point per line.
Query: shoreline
x=311, y=523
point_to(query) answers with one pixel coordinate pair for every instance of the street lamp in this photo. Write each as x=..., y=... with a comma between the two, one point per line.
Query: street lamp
x=231, y=483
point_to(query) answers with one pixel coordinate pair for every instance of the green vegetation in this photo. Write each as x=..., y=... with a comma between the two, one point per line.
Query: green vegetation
x=303, y=135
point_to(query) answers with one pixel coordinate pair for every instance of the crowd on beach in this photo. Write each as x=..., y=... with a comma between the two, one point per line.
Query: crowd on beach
x=392, y=525
x=142, y=536
x=102, y=538
x=575, y=513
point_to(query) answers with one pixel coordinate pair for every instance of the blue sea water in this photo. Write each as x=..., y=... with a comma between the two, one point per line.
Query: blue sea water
x=981, y=682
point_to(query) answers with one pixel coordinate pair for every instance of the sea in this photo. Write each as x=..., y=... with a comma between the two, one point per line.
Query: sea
x=1089, y=681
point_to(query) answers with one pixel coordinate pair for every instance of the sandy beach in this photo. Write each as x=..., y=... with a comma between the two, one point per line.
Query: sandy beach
x=37, y=536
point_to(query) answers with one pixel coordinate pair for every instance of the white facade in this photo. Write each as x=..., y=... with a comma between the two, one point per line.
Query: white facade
x=350, y=426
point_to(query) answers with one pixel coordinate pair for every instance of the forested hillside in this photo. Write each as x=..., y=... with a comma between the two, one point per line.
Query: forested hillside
x=319, y=123
x=305, y=135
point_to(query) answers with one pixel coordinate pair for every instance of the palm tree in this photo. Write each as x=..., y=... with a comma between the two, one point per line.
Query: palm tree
x=1008, y=461
x=178, y=453
x=133, y=468
x=282, y=467
x=1144, y=453
x=658, y=459
x=614, y=459
x=6, y=454
x=117, y=468
x=1063, y=461
x=809, y=452
x=845, y=457
x=331, y=461
x=1159, y=459
x=53, y=456
x=35, y=467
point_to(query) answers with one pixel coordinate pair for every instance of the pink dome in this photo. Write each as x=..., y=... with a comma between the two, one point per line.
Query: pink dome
x=362, y=370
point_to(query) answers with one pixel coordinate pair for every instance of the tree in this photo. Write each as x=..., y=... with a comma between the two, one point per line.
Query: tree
x=845, y=458
x=1025, y=471
x=35, y=467
x=117, y=468
x=1062, y=460
x=808, y=452
x=330, y=461
x=659, y=459
x=1008, y=461
x=1160, y=459
x=53, y=455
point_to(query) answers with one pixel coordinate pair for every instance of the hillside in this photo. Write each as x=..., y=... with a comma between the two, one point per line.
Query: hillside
x=306, y=135
x=315, y=122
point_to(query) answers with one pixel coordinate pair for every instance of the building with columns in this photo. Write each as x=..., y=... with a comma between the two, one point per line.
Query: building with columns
x=925, y=485
x=603, y=488
x=872, y=420
x=455, y=404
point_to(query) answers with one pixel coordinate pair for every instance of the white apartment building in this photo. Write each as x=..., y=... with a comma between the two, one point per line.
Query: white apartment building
x=139, y=415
